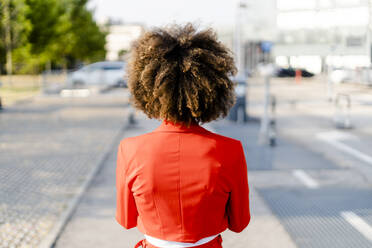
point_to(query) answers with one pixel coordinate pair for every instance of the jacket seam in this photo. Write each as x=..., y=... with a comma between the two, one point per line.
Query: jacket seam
x=124, y=159
x=125, y=171
x=157, y=212
x=179, y=183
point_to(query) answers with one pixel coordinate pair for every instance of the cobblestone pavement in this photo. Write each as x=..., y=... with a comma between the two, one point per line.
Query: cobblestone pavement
x=93, y=223
x=47, y=149
x=318, y=180
x=309, y=190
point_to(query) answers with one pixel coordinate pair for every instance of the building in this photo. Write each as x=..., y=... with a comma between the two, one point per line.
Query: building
x=315, y=34
x=255, y=27
x=119, y=39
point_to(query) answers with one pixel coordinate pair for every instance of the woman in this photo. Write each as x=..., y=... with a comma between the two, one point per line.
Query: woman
x=180, y=184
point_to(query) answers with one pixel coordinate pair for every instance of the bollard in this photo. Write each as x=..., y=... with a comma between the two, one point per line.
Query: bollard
x=272, y=133
x=342, y=115
x=272, y=123
x=132, y=120
x=264, y=128
x=298, y=76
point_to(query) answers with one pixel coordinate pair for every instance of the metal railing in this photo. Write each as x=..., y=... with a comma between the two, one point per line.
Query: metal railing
x=53, y=81
x=341, y=117
x=267, y=133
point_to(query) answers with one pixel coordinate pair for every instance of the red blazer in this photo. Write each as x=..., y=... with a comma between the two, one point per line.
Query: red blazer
x=182, y=184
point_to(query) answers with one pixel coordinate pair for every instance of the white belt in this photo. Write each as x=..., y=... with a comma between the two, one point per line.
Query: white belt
x=172, y=244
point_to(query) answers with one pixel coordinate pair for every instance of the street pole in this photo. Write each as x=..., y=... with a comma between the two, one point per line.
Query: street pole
x=8, y=40
x=264, y=128
x=330, y=84
x=239, y=52
x=368, y=40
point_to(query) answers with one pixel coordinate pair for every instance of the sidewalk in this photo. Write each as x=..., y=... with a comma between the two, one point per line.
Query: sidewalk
x=93, y=224
x=50, y=148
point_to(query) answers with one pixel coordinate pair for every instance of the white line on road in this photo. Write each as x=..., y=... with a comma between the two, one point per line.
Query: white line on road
x=341, y=146
x=336, y=135
x=358, y=223
x=305, y=179
x=361, y=156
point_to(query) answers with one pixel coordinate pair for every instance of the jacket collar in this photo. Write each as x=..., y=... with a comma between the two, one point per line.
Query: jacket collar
x=168, y=126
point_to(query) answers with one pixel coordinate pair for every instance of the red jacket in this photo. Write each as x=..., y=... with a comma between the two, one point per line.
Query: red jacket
x=182, y=183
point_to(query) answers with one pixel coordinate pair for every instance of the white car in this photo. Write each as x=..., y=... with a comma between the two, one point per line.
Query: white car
x=101, y=74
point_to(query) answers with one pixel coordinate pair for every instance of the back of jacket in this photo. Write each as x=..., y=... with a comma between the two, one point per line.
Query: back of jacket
x=182, y=183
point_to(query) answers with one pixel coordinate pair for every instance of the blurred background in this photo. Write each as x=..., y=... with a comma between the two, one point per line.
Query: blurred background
x=303, y=113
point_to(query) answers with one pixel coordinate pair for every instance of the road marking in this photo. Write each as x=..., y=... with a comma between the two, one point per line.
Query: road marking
x=305, y=179
x=333, y=140
x=358, y=223
x=75, y=93
x=336, y=135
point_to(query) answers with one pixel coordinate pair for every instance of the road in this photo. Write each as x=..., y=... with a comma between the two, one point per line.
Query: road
x=318, y=180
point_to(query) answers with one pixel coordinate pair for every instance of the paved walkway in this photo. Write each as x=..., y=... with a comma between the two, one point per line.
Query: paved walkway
x=49, y=149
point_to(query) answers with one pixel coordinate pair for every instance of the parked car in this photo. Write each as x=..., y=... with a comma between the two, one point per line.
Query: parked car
x=238, y=111
x=291, y=72
x=101, y=74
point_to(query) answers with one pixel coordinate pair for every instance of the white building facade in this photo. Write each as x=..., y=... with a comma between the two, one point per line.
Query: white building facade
x=120, y=38
x=314, y=34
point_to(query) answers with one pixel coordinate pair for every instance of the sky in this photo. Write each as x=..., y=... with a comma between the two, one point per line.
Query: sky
x=161, y=12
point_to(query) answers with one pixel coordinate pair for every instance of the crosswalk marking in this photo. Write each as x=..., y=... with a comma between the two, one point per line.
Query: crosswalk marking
x=358, y=223
x=334, y=141
x=305, y=179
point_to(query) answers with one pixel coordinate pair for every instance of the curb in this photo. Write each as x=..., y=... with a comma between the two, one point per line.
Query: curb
x=19, y=102
x=51, y=238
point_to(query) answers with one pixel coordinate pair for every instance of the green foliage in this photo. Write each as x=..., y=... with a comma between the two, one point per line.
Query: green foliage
x=122, y=53
x=61, y=33
x=89, y=38
x=19, y=27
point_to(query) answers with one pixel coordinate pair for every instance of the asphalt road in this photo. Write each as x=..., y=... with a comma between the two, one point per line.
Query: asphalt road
x=318, y=180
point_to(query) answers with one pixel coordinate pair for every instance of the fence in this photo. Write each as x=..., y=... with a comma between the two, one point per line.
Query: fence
x=53, y=81
x=21, y=81
x=361, y=75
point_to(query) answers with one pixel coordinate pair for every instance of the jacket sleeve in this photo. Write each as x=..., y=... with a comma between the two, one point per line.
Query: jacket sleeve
x=238, y=203
x=126, y=210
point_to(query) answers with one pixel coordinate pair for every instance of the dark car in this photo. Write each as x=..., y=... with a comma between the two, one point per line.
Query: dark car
x=291, y=72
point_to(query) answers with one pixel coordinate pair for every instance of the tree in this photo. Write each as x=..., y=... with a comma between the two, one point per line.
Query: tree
x=14, y=28
x=90, y=40
x=122, y=53
x=65, y=33
x=50, y=38
x=61, y=33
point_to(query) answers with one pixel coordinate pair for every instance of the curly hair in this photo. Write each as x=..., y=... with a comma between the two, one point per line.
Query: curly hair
x=181, y=75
